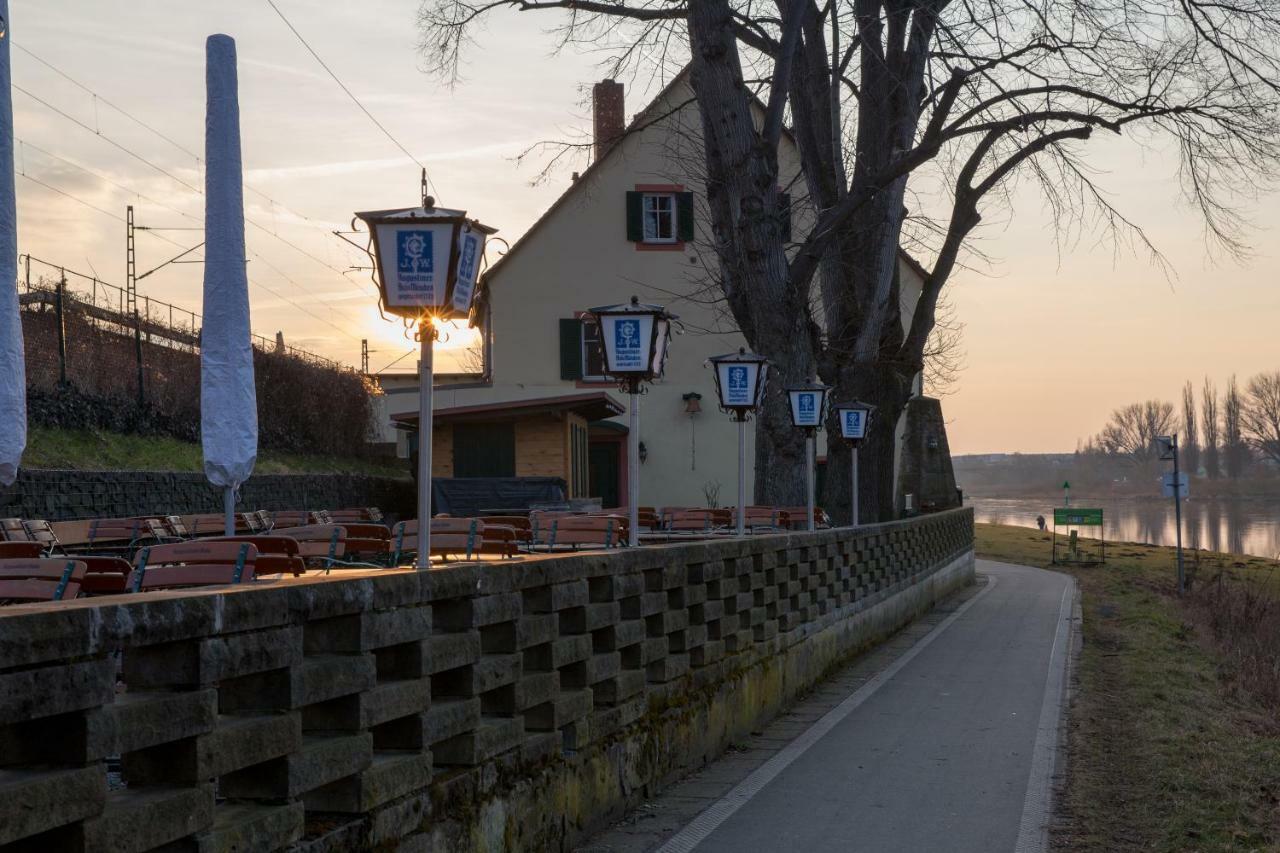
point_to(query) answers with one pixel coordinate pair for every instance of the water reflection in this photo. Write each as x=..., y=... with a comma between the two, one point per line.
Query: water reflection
x=1232, y=526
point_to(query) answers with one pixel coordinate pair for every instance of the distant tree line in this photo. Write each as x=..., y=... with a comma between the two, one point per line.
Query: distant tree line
x=1221, y=435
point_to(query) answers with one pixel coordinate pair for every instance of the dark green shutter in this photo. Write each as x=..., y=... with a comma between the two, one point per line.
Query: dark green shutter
x=784, y=216
x=684, y=217
x=570, y=349
x=635, y=217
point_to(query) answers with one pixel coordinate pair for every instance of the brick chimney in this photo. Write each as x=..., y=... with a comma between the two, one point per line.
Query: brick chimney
x=609, y=114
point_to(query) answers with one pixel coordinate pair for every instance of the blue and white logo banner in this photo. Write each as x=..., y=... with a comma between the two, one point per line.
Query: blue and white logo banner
x=470, y=251
x=805, y=408
x=737, y=385
x=627, y=340
x=853, y=423
x=415, y=261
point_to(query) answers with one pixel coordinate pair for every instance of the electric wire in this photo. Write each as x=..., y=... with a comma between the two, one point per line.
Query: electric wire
x=351, y=94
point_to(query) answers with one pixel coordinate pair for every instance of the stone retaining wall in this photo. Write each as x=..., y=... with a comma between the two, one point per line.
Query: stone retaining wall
x=511, y=706
x=59, y=495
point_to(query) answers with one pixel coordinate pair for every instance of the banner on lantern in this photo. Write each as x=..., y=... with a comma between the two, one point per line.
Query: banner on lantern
x=415, y=263
x=470, y=251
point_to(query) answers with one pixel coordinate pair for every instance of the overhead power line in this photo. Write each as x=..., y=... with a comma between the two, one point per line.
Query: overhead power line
x=97, y=132
x=350, y=94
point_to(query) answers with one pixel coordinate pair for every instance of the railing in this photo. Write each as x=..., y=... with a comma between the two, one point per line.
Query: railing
x=376, y=709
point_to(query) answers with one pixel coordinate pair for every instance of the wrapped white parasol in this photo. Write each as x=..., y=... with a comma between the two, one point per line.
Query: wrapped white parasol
x=228, y=400
x=13, y=376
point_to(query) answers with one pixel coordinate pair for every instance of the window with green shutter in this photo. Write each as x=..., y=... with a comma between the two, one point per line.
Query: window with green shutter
x=635, y=217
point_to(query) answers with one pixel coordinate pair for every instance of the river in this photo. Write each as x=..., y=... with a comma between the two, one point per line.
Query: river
x=1232, y=526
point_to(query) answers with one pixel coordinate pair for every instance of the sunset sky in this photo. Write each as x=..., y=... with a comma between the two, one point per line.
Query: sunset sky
x=1055, y=336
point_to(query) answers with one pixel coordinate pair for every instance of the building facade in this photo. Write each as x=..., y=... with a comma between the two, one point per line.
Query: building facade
x=634, y=223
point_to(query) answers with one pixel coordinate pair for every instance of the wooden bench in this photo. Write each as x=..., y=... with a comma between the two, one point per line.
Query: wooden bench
x=756, y=518
x=541, y=523
x=117, y=534
x=449, y=537
x=797, y=517
x=320, y=544
x=41, y=531
x=214, y=524
x=607, y=531
x=13, y=530
x=21, y=550
x=187, y=564
x=277, y=554
x=688, y=520
x=40, y=580
x=519, y=523
x=498, y=539
x=292, y=518
x=648, y=519
x=104, y=575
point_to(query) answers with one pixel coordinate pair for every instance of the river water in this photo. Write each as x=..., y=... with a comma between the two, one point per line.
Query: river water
x=1232, y=526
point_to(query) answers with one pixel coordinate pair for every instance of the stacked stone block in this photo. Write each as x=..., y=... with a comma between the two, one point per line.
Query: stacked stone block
x=253, y=718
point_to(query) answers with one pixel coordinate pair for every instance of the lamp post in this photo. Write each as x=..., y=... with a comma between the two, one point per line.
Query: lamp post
x=808, y=405
x=428, y=263
x=634, y=339
x=855, y=418
x=1167, y=449
x=740, y=383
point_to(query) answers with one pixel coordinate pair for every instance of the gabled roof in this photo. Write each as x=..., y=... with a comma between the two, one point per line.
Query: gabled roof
x=613, y=151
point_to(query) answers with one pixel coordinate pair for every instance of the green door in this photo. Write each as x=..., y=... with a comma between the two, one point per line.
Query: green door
x=484, y=449
x=603, y=472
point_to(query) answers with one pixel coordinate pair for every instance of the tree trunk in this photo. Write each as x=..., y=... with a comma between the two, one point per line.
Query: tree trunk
x=877, y=457
x=742, y=193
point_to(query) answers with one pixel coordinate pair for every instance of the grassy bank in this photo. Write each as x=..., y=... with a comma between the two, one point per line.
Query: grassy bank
x=1173, y=744
x=105, y=451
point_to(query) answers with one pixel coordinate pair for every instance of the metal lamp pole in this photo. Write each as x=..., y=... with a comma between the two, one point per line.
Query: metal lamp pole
x=742, y=474
x=1177, y=513
x=633, y=464
x=853, y=481
x=810, y=450
x=426, y=381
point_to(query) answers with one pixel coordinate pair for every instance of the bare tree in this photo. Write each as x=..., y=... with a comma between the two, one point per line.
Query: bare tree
x=1235, y=454
x=1190, y=443
x=1209, y=422
x=1260, y=415
x=1131, y=432
x=932, y=102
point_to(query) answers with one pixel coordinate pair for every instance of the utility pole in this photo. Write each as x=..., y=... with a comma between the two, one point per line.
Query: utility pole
x=131, y=299
x=1166, y=450
x=364, y=356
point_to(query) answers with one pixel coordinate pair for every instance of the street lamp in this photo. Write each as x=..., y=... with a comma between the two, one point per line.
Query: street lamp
x=808, y=405
x=1167, y=450
x=634, y=339
x=855, y=420
x=428, y=264
x=740, y=383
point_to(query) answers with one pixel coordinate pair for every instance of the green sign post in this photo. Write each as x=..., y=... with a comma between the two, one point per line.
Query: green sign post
x=1073, y=518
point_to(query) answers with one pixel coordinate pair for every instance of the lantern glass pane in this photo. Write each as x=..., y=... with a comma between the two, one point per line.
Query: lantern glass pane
x=806, y=408
x=470, y=252
x=853, y=423
x=662, y=337
x=415, y=258
x=627, y=339
x=737, y=384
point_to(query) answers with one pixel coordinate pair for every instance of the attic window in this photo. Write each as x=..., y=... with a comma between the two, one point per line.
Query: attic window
x=659, y=218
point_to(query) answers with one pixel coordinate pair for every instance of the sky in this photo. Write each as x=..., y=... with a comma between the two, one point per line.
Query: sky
x=1055, y=337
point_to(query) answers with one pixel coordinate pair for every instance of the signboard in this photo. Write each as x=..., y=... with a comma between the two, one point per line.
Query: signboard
x=1167, y=487
x=470, y=251
x=853, y=424
x=805, y=408
x=415, y=260
x=1068, y=516
x=627, y=338
x=1166, y=448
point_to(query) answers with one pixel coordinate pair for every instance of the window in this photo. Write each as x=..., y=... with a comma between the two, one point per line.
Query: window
x=581, y=357
x=659, y=218
x=592, y=353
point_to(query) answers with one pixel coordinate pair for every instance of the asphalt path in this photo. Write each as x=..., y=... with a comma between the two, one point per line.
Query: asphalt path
x=952, y=748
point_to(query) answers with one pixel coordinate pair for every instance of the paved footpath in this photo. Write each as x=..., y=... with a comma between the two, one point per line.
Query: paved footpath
x=949, y=746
